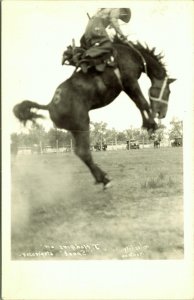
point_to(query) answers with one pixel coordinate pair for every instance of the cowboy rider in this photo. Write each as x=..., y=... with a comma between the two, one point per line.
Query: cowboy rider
x=95, y=33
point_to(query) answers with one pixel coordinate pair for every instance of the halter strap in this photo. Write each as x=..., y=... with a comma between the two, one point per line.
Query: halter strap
x=159, y=99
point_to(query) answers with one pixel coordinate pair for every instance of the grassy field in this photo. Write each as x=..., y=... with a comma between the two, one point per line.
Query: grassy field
x=58, y=213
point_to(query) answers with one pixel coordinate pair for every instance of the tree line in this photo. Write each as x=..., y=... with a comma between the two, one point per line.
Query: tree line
x=99, y=133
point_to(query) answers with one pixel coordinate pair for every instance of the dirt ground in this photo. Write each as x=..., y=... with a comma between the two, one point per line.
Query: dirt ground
x=58, y=212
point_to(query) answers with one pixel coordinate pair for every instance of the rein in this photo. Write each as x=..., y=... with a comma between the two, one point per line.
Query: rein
x=117, y=71
x=139, y=53
x=159, y=99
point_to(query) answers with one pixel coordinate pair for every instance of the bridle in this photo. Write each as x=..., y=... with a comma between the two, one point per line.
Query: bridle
x=160, y=99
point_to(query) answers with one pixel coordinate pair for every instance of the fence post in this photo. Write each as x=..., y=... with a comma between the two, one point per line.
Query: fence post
x=71, y=145
x=116, y=142
x=40, y=144
x=57, y=145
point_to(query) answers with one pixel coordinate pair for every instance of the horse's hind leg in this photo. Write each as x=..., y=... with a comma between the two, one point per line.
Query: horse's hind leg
x=82, y=149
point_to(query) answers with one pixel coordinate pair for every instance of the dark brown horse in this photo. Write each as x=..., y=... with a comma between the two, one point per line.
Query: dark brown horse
x=75, y=97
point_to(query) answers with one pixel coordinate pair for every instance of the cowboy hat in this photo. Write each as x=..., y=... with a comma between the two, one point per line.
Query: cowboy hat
x=125, y=14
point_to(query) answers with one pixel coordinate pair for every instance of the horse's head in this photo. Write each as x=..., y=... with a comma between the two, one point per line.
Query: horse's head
x=155, y=69
x=159, y=94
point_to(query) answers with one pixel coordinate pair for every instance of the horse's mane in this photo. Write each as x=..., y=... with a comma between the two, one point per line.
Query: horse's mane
x=145, y=50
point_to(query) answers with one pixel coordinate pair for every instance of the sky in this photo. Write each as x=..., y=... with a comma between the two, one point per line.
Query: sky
x=35, y=34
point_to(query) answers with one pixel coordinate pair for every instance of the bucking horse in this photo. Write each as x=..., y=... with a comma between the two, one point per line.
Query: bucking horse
x=85, y=91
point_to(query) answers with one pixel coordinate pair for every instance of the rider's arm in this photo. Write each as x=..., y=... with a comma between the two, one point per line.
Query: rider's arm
x=114, y=16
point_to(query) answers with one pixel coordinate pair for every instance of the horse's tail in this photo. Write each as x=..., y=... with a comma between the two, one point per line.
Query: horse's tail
x=23, y=112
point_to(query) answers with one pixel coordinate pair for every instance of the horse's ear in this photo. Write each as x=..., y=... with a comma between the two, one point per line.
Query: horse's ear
x=171, y=80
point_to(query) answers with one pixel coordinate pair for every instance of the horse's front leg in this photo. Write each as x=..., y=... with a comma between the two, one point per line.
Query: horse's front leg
x=134, y=92
x=82, y=150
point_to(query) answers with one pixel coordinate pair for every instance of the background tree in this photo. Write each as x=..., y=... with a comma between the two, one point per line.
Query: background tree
x=144, y=136
x=136, y=134
x=14, y=138
x=111, y=136
x=121, y=137
x=14, y=143
x=36, y=136
x=159, y=133
x=98, y=132
x=58, y=138
x=176, y=129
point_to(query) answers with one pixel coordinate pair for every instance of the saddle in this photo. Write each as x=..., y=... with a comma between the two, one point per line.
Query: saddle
x=92, y=58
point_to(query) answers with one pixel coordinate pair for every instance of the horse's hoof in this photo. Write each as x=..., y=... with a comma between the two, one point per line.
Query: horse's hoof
x=150, y=126
x=107, y=185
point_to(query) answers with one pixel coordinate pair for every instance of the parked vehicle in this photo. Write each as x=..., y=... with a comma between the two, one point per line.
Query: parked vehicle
x=132, y=144
x=177, y=142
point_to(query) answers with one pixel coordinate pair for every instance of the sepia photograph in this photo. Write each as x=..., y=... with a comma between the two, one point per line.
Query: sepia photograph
x=97, y=115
